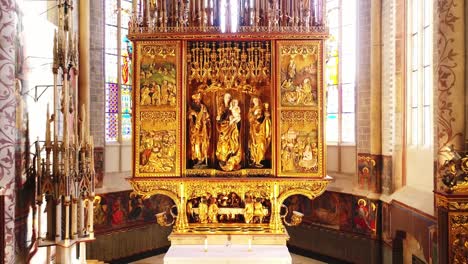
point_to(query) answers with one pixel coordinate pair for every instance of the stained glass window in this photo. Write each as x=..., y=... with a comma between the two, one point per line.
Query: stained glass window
x=341, y=71
x=118, y=71
x=126, y=97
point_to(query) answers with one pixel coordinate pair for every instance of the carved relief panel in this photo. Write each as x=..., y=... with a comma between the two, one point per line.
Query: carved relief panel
x=157, y=104
x=300, y=113
x=228, y=107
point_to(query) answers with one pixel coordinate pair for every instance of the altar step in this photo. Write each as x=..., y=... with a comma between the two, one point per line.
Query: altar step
x=231, y=239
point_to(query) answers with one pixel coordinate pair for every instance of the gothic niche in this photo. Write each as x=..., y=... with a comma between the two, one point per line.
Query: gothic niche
x=228, y=208
x=228, y=105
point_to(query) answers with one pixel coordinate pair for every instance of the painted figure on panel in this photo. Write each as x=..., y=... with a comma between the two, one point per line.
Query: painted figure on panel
x=200, y=131
x=100, y=211
x=228, y=149
x=135, y=207
x=260, y=131
x=118, y=214
x=363, y=221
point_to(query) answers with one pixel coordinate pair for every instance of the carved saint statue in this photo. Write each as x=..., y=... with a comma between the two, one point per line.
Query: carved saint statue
x=203, y=211
x=200, y=127
x=248, y=210
x=213, y=210
x=260, y=131
x=228, y=149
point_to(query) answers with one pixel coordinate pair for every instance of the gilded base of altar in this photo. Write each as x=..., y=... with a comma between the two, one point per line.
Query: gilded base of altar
x=256, y=205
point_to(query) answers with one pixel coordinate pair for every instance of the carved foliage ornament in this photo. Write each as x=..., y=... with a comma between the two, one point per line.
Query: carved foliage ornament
x=454, y=171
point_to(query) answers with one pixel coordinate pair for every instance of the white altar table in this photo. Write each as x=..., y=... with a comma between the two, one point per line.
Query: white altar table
x=221, y=254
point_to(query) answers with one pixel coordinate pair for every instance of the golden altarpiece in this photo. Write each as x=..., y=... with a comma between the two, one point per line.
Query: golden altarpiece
x=228, y=110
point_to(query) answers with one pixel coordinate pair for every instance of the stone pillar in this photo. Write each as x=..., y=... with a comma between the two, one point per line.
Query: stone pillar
x=8, y=123
x=369, y=96
x=97, y=84
x=449, y=77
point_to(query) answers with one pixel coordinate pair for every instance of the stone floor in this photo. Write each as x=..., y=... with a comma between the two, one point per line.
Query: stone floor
x=296, y=259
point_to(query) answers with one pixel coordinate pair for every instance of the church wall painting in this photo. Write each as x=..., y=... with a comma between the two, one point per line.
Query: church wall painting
x=338, y=211
x=369, y=172
x=123, y=210
x=157, y=128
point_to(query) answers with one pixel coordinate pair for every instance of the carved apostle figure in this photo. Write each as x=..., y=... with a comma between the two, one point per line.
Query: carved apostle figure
x=228, y=149
x=200, y=127
x=259, y=132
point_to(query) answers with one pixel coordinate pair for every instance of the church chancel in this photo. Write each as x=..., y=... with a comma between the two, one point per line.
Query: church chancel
x=228, y=121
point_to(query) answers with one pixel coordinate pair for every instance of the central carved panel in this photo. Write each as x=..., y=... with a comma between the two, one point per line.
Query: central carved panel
x=229, y=123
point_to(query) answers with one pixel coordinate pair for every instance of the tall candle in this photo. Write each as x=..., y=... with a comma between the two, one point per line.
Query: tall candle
x=58, y=221
x=91, y=216
x=206, y=244
x=250, y=244
x=67, y=217
x=74, y=218
x=81, y=226
x=38, y=158
x=39, y=209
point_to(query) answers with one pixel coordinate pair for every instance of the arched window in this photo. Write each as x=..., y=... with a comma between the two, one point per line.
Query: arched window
x=419, y=94
x=117, y=71
x=419, y=81
x=341, y=85
x=341, y=72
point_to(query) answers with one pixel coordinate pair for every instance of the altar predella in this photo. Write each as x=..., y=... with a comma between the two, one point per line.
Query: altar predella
x=228, y=111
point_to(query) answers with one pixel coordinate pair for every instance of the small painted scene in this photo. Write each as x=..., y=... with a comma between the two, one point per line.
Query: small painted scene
x=121, y=210
x=337, y=211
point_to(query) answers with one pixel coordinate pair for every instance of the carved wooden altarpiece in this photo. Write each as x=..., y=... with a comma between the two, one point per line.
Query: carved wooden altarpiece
x=228, y=125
